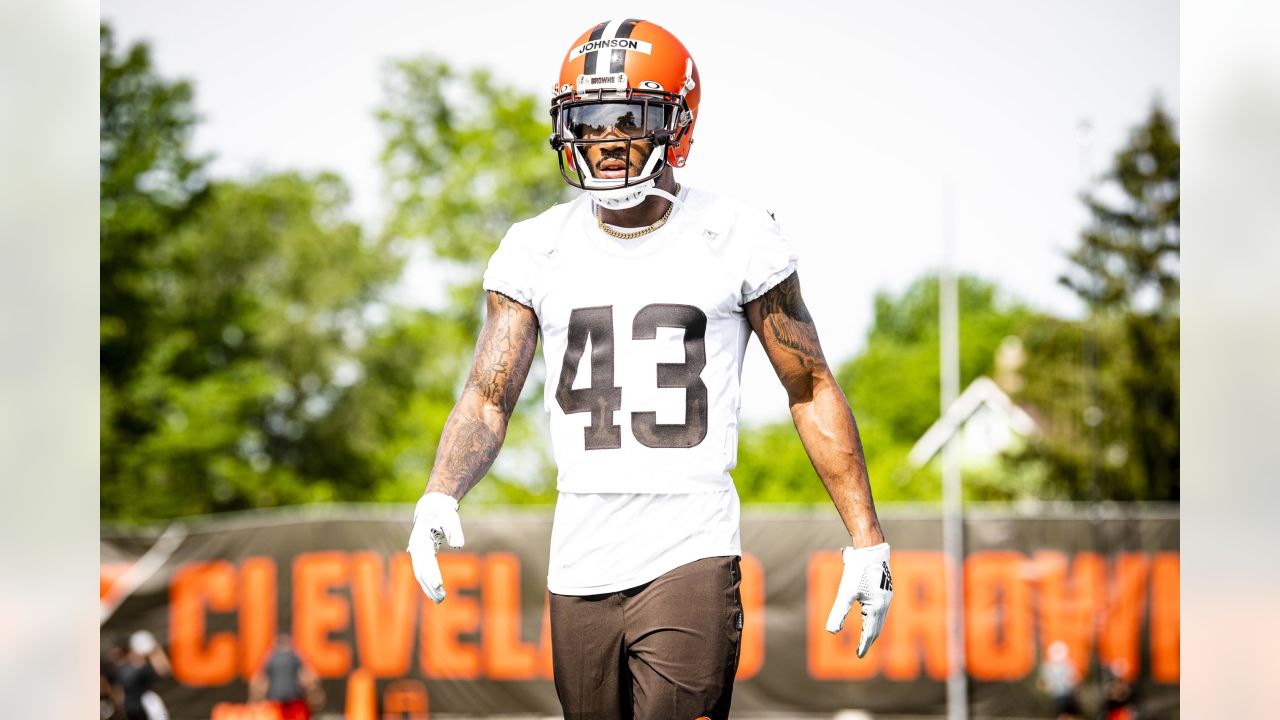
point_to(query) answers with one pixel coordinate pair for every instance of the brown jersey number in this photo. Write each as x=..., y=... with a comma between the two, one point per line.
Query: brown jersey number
x=602, y=398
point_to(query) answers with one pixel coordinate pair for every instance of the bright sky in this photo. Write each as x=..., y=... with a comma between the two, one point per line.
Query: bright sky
x=846, y=119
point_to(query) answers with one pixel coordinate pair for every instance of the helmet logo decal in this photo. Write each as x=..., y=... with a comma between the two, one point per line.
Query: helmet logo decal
x=651, y=85
x=602, y=82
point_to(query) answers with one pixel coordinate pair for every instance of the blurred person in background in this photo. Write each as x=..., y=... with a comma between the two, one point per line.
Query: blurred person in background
x=1059, y=680
x=110, y=692
x=1119, y=701
x=285, y=680
x=666, y=285
x=143, y=664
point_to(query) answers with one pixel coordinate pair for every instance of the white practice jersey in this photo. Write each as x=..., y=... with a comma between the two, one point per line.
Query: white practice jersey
x=643, y=342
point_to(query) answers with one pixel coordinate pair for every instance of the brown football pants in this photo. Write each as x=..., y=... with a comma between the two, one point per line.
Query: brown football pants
x=666, y=650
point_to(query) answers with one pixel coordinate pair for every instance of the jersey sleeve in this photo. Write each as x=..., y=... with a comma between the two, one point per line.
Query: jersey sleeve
x=512, y=270
x=772, y=259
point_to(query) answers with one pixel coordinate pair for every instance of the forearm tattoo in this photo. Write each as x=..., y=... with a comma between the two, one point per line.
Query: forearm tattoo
x=467, y=448
x=472, y=435
x=787, y=322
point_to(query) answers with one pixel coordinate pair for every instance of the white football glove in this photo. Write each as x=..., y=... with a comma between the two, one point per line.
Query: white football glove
x=435, y=520
x=866, y=579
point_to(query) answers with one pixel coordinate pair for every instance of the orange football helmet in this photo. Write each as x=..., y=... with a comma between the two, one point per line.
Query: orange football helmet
x=625, y=86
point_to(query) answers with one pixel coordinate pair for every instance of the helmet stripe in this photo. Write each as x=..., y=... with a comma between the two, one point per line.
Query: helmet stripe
x=589, y=66
x=618, y=62
x=596, y=60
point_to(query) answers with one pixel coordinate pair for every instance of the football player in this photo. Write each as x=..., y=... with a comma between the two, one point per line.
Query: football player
x=645, y=293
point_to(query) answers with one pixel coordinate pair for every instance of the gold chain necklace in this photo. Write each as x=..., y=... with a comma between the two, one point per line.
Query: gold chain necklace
x=642, y=231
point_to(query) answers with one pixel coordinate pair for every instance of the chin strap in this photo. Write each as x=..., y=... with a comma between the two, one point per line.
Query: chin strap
x=622, y=198
x=642, y=191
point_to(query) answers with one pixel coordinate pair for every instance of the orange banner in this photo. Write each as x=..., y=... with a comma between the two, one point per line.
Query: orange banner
x=353, y=605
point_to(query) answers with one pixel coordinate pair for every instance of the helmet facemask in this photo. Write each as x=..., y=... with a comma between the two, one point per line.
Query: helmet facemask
x=601, y=136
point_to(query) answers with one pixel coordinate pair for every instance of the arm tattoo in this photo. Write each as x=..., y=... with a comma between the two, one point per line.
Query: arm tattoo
x=467, y=448
x=473, y=434
x=788, y=323
x=504, y=353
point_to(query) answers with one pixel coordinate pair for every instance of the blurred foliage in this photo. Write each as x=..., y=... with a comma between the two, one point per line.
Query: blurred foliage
x=1106, y=388
x=251, y=322
x=149, y=184
x=251, y=353
x=893, y=387
x=465, y=158
x=1118, y=369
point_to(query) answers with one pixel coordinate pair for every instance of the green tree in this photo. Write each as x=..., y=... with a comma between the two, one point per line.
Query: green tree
x=246, y=392
x=1107, y=387
x=247, y=358
x=893, y=387
x=250, y=355
x=149, y=183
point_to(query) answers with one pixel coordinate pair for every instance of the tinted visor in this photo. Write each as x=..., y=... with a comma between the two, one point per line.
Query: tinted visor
x=632, y=119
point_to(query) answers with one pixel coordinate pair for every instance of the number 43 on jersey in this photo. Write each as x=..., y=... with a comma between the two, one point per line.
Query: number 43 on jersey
x=602, y=398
